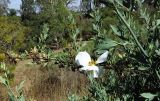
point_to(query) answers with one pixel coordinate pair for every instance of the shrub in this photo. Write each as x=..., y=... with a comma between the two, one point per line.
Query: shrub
x=12, y=33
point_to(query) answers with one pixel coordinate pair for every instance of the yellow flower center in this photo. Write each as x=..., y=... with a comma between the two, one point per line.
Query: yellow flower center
x=91, y=63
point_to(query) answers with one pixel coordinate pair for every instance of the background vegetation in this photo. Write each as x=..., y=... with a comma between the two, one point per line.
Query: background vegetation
x=49, y=35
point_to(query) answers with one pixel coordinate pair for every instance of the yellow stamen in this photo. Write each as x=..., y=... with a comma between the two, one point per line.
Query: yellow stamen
x=91, y=63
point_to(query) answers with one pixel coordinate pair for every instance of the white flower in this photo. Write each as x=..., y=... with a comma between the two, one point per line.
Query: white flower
x=84, y=59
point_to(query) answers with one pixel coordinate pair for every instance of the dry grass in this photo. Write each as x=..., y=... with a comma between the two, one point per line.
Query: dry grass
x=3, y=93
x=56, y=85
x=48, y=85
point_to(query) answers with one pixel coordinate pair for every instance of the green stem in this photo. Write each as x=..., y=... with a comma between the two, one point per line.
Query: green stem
x=11, y=91
x=131, y=31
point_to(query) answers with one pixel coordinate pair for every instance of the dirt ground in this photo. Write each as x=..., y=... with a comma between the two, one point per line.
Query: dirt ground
x=43, y=84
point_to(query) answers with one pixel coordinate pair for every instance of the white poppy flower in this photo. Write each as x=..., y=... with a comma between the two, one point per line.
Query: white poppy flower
x=84, y=59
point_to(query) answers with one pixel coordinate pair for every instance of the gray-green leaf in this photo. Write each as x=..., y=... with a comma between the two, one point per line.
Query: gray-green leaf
x=143, y=68
x=115, y=30
x=21, y=98
x=108, y=43
x=148, y=96
x=20, y=86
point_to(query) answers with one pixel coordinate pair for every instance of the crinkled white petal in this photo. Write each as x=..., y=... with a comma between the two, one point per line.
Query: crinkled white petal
x=89, y=68
x=83, y=68
x=95, y=70
x=82, y=58
x=102, y=58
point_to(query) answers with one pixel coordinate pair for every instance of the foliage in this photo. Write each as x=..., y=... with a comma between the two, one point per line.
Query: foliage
x=3, y=6
x=12, y=12
x=27, y=10
x=135, y=63
x=48, y=12
x=129, y=30
x=2, y=57
x=133, y=53
x=73, y=97
x=13, y=96
x=43, y=38
x=73, y=31
x=12, y=33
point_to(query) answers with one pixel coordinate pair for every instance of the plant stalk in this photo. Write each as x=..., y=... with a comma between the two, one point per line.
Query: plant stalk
x=131, y=31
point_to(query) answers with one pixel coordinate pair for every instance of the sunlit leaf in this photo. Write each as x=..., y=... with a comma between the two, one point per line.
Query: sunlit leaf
x=148, y=96
x=95, y=27
x=157, y=43
x=115, y=30
x=11, y=96
x=2, y=80
x=157, y=52
x=158, y=22
x=117, y=99
x=20, y=86
x=107, y=44
x=143, y=68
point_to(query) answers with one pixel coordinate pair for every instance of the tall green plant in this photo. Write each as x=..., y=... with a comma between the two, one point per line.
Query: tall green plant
x=73, y=31
x=13, y=96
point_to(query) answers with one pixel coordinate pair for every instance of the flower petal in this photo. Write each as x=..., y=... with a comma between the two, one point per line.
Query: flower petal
x=85, y=68
x=82, y=58
x=89, y=68
x=95, y=74
x=102, y=58
x=95, y=70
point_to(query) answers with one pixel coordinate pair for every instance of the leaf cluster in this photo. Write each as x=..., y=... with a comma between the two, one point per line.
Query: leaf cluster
x=12, y=33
